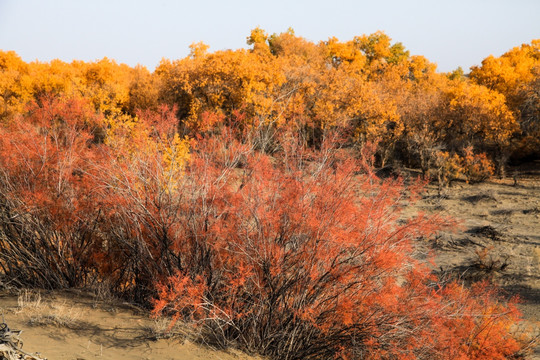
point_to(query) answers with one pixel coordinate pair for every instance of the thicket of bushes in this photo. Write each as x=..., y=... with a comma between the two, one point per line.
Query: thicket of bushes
x=368, y=88
x=235, y=190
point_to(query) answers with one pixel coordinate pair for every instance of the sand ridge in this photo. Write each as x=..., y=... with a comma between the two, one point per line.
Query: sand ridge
x=73, y=325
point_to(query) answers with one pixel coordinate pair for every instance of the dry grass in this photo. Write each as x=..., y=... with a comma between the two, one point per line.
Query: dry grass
x=160, y=328
x=42, y=313
x=28, y=300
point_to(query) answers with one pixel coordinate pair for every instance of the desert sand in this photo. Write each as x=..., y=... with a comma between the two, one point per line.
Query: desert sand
x=497, y=237
x=74, y=325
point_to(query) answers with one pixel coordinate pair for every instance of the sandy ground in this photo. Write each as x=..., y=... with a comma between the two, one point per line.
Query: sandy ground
x=498, y=236
x=71, y=325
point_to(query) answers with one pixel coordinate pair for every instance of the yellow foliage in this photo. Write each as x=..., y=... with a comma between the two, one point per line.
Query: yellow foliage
x=475, y=110
x=107, y=84
x=368, y=87
x=15, y=84
x=516, y=75
x=507, y=73
x=347, y=53
x=219, y=82
x=132, y=141
x=176, y=154
x=198, y=50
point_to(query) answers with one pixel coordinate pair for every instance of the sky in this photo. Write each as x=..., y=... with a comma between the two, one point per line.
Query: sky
x=450, y=33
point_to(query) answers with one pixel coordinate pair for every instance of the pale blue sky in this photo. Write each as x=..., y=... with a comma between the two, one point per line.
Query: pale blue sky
x=450, y=33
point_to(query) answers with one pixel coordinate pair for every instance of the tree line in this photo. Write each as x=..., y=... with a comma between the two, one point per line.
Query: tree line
x=449, y=125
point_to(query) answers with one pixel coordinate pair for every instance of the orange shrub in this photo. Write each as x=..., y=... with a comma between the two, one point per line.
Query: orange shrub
x=47, y=208
x=300, y=258
x=477, y=167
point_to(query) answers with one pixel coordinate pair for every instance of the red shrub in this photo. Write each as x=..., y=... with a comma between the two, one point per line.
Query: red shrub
x=304, y=259
x=46, y=206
